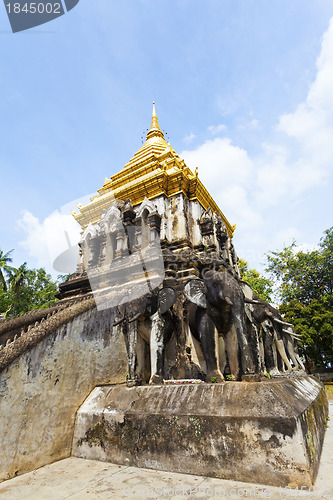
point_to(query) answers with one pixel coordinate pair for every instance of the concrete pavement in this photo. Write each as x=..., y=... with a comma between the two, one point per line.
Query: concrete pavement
x=76, y=479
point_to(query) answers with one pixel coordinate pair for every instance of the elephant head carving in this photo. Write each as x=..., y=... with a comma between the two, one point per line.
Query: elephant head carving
x=146, y=321
x=217, y=302
x=277, y=338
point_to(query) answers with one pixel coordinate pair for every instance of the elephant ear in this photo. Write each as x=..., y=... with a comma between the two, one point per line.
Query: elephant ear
x=166, y=298
x=195, y=292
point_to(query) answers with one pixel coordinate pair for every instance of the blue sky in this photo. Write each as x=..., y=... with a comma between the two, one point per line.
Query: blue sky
x=244, y=89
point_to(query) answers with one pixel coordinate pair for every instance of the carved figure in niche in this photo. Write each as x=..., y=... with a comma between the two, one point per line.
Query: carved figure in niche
x=145, y=230
x=234, y=258
x=218, y=302
x=222, y=238
x=147, y=321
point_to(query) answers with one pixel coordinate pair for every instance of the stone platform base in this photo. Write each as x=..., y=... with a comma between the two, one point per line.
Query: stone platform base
x=259, y=432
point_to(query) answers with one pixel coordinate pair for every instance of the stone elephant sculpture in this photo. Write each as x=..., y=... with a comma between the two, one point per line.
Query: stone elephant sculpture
x=146, y=320
x=218, y=302
x=277, y=338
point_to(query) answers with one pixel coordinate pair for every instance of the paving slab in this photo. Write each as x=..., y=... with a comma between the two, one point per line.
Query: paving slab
x=75, y=478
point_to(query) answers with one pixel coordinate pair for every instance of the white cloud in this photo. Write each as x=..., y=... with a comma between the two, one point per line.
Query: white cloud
x=310, y=126
x=216, y=129
x=219, y=160
x=228, y=106
x=35, y=240
x=253, y=191
x=312, y=121
x=226, y=171
x=47, y=240
x=306, y=247
x=189, y=138
x=252, y=125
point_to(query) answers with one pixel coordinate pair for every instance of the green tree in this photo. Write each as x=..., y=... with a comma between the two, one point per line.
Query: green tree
x=6, y=305
x=35, y=290
x=262, y=286
x=303, y=276
x=315, y=323
x=25, y=289
x=17, y=280
x=5, y=269
x=305, y=289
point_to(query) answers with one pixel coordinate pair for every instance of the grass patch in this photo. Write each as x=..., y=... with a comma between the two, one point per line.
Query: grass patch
x=329, y=390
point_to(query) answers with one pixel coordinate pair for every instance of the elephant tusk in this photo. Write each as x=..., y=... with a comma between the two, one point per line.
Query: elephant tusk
x=137, y=316
x=282, y=322
x=229, y=301
x=118, y=321
x=251, y=301
x=296, y=335
x=293, y=333
x=277, y=320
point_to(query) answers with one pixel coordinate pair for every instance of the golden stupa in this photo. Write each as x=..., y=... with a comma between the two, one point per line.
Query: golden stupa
x=155, y=170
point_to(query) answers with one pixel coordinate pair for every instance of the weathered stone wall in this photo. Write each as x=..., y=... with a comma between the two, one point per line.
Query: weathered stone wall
x=42, y=389
x=267, y=432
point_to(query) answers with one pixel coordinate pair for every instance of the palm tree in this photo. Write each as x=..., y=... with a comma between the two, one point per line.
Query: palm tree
x=5, y=259
x=16, y=279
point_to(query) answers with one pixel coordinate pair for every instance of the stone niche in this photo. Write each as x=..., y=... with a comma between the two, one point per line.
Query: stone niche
x=267, y=433
x=176, y=223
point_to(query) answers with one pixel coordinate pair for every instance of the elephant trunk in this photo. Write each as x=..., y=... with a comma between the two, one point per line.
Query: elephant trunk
x=225, y=299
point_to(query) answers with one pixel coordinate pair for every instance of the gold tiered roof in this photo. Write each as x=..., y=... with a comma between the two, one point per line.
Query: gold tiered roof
x=155, y=170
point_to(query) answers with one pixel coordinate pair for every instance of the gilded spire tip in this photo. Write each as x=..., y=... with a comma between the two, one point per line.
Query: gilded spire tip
x=154, y=128
x=154, y=121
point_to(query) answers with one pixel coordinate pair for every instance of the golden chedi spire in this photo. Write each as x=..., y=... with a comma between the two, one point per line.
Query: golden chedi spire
x=155, y=130
x=154, y=170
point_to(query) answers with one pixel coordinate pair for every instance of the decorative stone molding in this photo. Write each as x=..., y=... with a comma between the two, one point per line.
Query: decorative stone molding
x=146, y=205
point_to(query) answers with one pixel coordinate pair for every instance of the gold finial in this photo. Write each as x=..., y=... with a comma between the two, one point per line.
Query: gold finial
x=154, y=120
x=154, y=128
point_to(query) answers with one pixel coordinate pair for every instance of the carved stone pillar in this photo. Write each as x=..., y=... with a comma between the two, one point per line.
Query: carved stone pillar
x=129, y=216
x=120, y=244
x=234, y=258
x=207, y=230
x=128, y=213
x=222, y=238
x=131, y=338
x=181, y=318
x=80, y=265
x=154, y=221
x=102, y=251
x=138, y=237
x=94, y=251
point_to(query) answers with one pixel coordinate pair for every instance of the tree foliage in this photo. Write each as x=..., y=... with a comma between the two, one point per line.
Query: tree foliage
x=5, y=268
x=25, y=289
x=303, y=276
x=262, y=286
x=305, y=288
x=315, y=323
